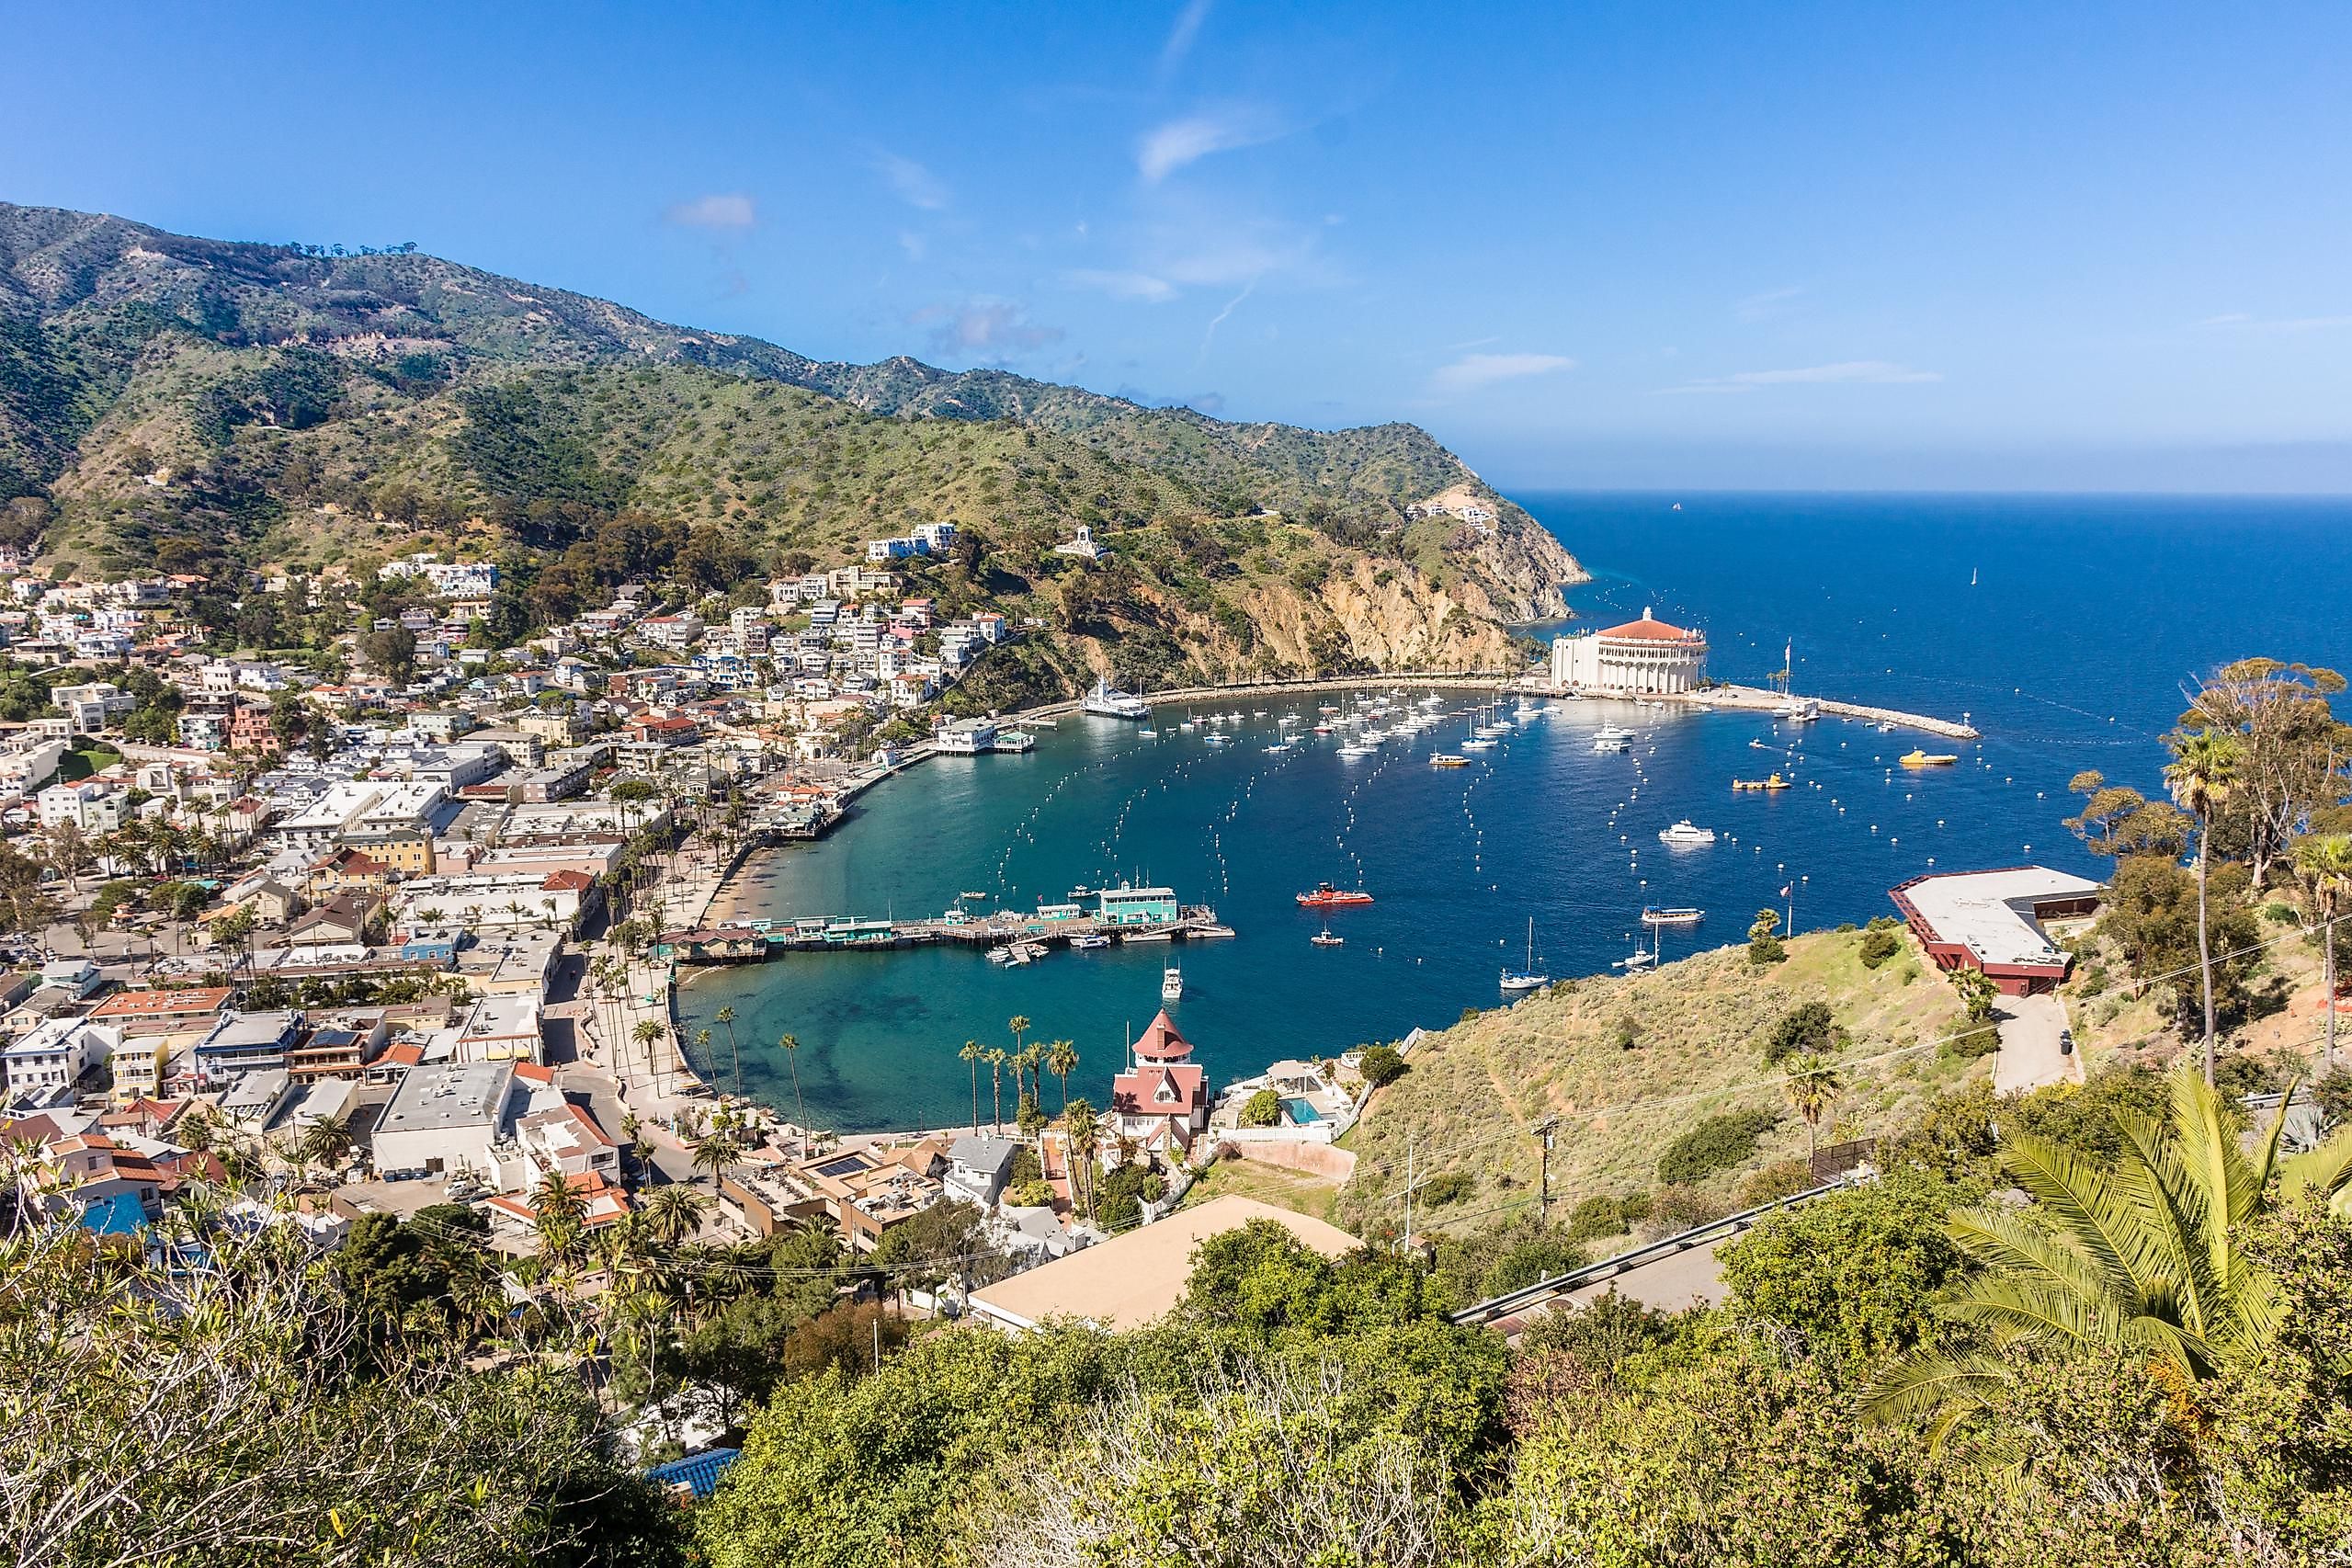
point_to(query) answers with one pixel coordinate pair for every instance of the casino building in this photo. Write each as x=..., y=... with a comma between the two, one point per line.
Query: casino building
x=1638, y=658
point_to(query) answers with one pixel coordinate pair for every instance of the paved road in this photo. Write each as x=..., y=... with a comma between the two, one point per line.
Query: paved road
x=2029, y=1058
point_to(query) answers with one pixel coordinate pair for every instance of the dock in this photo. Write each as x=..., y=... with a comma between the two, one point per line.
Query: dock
x=754, y=941
x=1755, y=700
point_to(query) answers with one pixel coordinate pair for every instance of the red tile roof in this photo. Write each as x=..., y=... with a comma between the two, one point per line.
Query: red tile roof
x=1161, y=1042
x=1649, y=629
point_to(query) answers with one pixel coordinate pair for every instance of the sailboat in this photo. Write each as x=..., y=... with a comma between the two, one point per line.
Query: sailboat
x=1527, y=978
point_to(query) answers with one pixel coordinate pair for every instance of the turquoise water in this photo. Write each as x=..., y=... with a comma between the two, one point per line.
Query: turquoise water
x=2069, y=653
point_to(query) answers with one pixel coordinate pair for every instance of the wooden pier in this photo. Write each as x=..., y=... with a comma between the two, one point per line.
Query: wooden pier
x=757, y=940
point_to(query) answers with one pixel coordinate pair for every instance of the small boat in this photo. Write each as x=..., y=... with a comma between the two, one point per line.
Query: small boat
x=1639, y=959
x=1216, y=739
x=1529, y=978
x=1082, y=890
x=1324, y=938
x=1172, y=983
x=1447, y=759
x=1088, y=941
x=1323, y=729
x=1774, y=782
x=1190, y=725
x=1608, y=739
x=1686, y=834
x=1279, y=747
x=1147, y=732
x=1257, y=712
x=1478, y=742
x=1926, y=759
x=1675, y=915
x=969, y=894
x=1357, y=750
x=1325, y=896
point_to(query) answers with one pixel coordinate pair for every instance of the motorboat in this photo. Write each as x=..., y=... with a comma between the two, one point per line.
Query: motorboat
x=1527, y=979
x=1926, y=759
x=1147, y=732
x=1172, y=983
x=1324, y=938
x=1107, y=702
x=1478, y=742
x=1357, y=749
x=1089, y=941
x=1217, y=740
x=1639, y=959
x=1686, y=834
x=1672, y=916
x=1610, y=740
x=969, y=894
x=1773, y=782
x=1082, y=890
x=1447, y=759
x=1325, y=896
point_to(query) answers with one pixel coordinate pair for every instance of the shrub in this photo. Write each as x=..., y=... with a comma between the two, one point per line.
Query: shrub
x=1801, y=1030
x=1681, y=1208
x=1878, y=946
x=1982, y=1041
x=1382, y=1066
x=1529, y=1260
x=1030, y=1195
x=1625, y=1033
x=1598, y=1216
x=1450, y=1186
x=1854, y=1271
x=1715, y=1144
x=1763, y=945
x=1264, y=1109
x=1781, y=1179
x=1025, y=1167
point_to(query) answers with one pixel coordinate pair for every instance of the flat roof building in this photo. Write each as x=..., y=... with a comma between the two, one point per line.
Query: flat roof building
x=1991, y=921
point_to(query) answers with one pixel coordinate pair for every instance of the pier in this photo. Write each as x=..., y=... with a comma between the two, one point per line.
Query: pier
x=1756, y=699
x=757, y=940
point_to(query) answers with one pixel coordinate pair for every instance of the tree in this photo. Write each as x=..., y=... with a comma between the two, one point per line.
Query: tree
x=1382, y=1066
x=1807, y=1028
x=2324, y=862
x=943, y=1242
x=2144, y=1255
x=2204, y=769
x=973, y=1054
x=559, y=1215
x=1812, y=1089
x=726, y=1016
x=1061, y=1059
x=1263, y=1108
x=791, y=1044
x=2117, y=820
x=995, y=1059
x=1080, y=1125
x=1764, y=943
x=646, y=1034
x=673, y=1213
x=713, y=1149
x=2290, y=753
x=327, y=1141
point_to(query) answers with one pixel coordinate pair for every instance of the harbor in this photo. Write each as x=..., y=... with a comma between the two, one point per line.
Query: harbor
x=1122, y=916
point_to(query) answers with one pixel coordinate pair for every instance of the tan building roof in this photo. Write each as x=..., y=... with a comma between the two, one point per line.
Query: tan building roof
x=1137, y=1277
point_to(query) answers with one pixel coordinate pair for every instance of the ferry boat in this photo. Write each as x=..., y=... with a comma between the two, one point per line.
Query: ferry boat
x=1107, y=703
x=1674, y=916
x=1089, y=941
x=1447, y=759
x=1925, y=759
x=1773, y=782
x=1609, y=739
x=1686, y=832
x=1324, y=938
x=1325, y=896
x=1529, y=978
x=1172, y=983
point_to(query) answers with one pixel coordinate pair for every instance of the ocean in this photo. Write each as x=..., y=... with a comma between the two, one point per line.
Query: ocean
x=2063, y=628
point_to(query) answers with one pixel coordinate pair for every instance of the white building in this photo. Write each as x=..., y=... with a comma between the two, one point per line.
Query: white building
x=1083, y=546
x=1639, y=657
x=54, y=1056
x=448, y=1117
x=91, y=805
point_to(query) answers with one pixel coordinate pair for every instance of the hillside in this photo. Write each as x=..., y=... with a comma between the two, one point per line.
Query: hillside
x=1694, y=1052
x=216, y=405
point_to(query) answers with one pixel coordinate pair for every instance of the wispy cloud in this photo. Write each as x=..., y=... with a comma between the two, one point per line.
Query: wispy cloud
x=915, y=186
x=1869, y=372
x=733, y=211
x=1141, y=286
x=2241, y=321
x=987, y=329
x=1181, y=36
x=1169, y=147
x=1218, y=320
x=1768, y=305
x=1473, y=372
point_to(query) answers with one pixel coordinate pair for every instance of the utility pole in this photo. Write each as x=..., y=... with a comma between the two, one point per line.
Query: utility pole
x=1543, y=1182
x=1407, y=1238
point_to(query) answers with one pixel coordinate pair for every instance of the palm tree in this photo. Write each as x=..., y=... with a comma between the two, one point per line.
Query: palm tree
x=727, y=1016
x=559, y=1215
x=973, y=1054
x=1061, y=1059
x=2326, y=860
x=713, y=1149
x=1812, y=1088
x=327, y=1141
x=646, y=1032
x=2204, y=769
x=1085, y=1136
x=995, y=1060
x=2145, y=1256
x=1019, y=1023
x=674, y=1213
x=791, y=1045
x=1030, y=1059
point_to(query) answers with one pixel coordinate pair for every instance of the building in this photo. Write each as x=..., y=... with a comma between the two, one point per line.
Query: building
x=247, y=1042
x=865, y=1191
x=1139, y=907
x=1993, y=921
x=1082, y=546
x=1162, y=1100
x=448, y=1117
x=52, y=1057
x=965, y=738
x=978, y=1167
x=501, y=1028
x=1639, y=657
x=94, y=806
x=1138, y=1276
x=158, y=1009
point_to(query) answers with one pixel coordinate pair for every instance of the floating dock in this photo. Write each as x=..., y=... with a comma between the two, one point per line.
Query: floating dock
x=752, y=941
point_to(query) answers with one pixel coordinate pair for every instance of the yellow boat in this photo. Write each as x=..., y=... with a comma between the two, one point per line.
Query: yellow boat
x=1774, y=782
x=1924, y=759
x=1447, y=759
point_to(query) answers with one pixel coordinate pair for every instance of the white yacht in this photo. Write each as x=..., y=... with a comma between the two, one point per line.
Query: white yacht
x=1172, y=983
x=1609, y=739
x=1107, y=701
x=1686, y=834
x=1355, y=749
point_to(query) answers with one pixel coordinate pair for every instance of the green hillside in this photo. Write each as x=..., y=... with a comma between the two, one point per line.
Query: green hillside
x=215, y=407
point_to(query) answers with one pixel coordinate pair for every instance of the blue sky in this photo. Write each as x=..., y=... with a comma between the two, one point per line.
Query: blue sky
x=1797, y=245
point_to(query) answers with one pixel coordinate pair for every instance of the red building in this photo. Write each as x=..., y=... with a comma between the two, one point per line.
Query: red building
x=1991, y=921
x=1162, y=1100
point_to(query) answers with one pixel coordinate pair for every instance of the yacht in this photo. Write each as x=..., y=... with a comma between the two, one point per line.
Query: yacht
x=1478, y=742
x=1447, y=759
x=1639, y=959
x=1357, y=750
x=1609, y=739
x=1172, y=983
x=1107, y=701
x=1675, y=915
x=1088, y=941
x=1529, y=978
x=1218, y=739
x=1686, y=834
x=1324, y=938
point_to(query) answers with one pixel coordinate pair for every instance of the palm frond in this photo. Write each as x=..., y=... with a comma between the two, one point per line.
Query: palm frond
x=2180, y=1222
x=2184, y=1352
x=1919, y=1383
x=2013, y=1310
x=2079, y=1198
x=2209, y=1146
x=2323, y=1170
x=2004, y=1243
